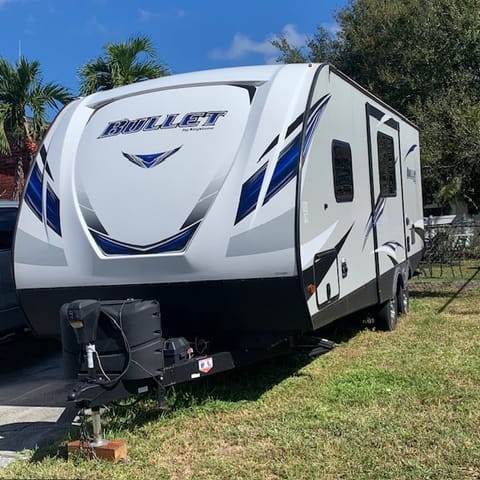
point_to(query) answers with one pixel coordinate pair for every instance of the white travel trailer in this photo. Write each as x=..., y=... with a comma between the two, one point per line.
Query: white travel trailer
x=252, y=202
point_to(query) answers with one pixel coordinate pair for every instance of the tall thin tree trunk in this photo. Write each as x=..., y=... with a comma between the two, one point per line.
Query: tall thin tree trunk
x=19, y=182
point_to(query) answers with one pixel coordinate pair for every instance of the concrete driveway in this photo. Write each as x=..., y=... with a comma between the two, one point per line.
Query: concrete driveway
x=32, y=395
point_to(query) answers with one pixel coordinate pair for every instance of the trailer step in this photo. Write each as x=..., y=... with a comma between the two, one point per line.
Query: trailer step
x=314, y=346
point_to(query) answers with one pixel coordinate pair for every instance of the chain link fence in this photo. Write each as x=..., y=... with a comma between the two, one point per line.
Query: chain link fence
x=450, y=245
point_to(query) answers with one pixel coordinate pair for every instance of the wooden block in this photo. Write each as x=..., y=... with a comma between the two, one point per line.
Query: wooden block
x=114, y=450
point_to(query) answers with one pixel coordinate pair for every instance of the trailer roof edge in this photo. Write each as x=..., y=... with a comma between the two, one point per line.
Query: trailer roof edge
x=345, y=77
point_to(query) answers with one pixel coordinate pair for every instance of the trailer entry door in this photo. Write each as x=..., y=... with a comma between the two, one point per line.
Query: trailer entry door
x=387, y=216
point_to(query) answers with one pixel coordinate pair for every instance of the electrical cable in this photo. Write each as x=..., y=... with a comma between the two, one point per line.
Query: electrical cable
x=119, y=326
x=114, y=381
x=139, y=365
x=101, y=367
x=125, y=341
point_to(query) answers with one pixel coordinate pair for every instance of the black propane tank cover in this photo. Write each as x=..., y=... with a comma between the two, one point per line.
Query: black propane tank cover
x=139, y=319
x=129, y=341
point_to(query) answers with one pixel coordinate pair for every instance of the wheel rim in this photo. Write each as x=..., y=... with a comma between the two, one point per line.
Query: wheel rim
x=392, y=311
x=404, y=300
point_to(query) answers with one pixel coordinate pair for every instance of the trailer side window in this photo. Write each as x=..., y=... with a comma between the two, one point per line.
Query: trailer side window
x=342, y=171
x=386, y=165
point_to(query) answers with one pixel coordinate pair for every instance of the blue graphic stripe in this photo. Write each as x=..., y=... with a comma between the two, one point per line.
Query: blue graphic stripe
x=287, y=165
x=33, y=193
x=285, y=169
x=393, y=245
x=150, y=160
x=175, y=243
x=312, y=123
x=110, y=246
x=53, y=211
x=410, y=150
x=374, y=218
x=249, y=195
x=378, y=212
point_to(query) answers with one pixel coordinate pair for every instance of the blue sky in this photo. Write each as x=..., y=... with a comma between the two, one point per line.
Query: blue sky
x=188, y=34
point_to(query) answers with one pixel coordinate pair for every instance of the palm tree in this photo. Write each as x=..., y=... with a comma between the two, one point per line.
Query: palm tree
x=22, y=90
x=126, y=62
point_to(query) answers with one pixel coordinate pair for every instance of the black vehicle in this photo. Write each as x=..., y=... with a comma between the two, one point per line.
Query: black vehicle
x=11, y=316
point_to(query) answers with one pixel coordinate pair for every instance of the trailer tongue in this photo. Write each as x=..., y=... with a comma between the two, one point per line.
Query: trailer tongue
x=115, y=349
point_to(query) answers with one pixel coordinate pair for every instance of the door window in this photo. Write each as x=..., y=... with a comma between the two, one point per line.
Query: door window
x=386, y=165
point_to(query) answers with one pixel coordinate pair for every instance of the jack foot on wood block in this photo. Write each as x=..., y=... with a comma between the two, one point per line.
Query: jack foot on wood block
x=114, y=450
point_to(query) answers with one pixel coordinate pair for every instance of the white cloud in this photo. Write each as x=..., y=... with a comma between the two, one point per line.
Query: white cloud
x=94, y=25
x=331, y=28
x=294, y=38
x=5, y=2
x=149, y=15
x=145, y=15
x=242, y=45
x=30, y=25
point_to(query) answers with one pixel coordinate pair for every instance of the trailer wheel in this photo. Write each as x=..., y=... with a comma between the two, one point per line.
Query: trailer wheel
x=386, y=317
x=403, y=300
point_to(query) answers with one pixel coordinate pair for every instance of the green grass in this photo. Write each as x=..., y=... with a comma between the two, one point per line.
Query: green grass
x=400, y=405
x=455, y=271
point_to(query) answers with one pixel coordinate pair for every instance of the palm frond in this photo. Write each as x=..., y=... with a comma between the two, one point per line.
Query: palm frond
x=21, y=90
x=4, y=144
x=125, y=62
x=95, y=75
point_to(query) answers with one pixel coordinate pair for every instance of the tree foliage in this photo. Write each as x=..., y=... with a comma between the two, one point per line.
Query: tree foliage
x=23, y=91
x=123, y=63
x=423, y=58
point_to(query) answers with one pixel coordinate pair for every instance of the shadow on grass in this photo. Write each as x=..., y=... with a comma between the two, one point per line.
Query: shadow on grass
x=431, y=292
x=446, y=277
x=227, y=389
x=222, y=391
x=56, y=449
x=457, y=293
x=435, y=289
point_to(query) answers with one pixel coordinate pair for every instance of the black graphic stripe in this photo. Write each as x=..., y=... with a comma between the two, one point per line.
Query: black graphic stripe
x=294, y=124
x=269, y=148
x=43, y=156
x=420, y=232
x=313, y=277
x=378, y=114
x=251, y=89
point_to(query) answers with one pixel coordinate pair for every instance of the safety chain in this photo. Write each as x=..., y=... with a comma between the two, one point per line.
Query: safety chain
x=86, y=450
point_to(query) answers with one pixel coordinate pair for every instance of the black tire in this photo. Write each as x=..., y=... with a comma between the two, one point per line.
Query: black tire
x=386, y=317
x=403, y=300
